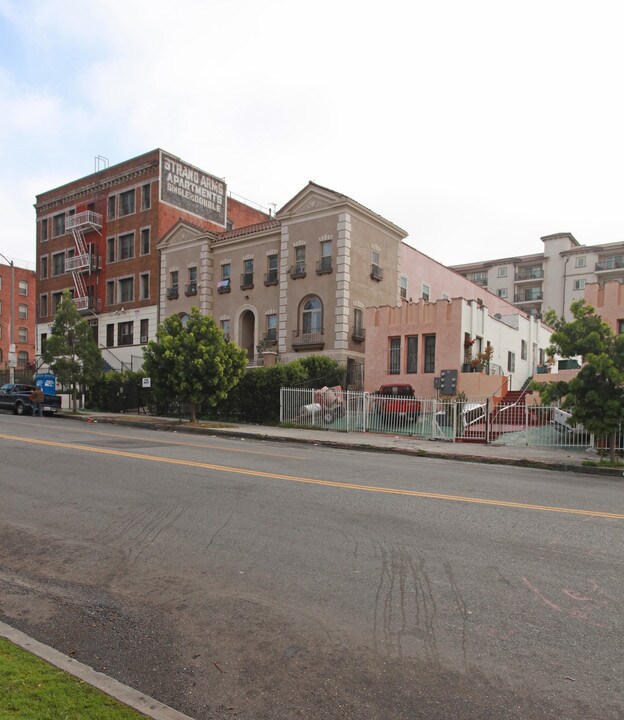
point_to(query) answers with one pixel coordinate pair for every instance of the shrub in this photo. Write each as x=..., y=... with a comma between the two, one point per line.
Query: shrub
x=256, y=398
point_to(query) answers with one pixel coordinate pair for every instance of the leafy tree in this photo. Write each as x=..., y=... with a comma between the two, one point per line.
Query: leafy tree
x=71, y=350
x=193, y=361
x=595, y=396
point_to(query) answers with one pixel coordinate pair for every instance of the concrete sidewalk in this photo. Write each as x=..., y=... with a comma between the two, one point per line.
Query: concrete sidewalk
x=138, y=701
x=549, y=458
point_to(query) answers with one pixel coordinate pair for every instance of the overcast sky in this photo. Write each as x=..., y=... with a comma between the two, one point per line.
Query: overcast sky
x=475, y=126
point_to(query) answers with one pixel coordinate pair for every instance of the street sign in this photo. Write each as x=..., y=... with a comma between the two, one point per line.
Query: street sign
x=147, y=382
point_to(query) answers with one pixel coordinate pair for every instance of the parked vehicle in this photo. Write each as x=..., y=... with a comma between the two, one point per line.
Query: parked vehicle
x=16, y=397
x=561, y=422
x=397, y=401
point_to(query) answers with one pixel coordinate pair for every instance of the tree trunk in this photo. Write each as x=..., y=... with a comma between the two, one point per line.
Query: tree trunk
x=74, y=398
x=193, y=416
x=612, y=441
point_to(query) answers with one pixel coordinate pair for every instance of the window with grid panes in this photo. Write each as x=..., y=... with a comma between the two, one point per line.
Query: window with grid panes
x=429, y=350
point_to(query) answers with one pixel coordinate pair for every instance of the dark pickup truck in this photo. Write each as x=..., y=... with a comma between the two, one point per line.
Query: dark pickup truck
x=16, y=397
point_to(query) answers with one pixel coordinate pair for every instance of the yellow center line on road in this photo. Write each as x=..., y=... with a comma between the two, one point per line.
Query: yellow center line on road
x=314, y=481
x=162, y=441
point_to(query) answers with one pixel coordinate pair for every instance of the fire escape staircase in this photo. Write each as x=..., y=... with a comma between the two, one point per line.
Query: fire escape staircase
x=84, y=260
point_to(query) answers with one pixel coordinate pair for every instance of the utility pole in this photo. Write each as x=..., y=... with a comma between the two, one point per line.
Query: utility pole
x=12, y=353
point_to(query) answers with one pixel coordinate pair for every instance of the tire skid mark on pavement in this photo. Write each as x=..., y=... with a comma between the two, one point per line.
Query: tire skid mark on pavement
x=316, y=481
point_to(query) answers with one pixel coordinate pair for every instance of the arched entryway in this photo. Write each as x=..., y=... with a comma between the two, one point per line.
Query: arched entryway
x=247, y=334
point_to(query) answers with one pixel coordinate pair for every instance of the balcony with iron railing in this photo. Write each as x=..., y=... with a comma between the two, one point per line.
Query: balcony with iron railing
x=190, y=289
x=324, y=266
x=610, y=265
x=528, y=274
x=298, y=271
x=246, y=281
x=480, y=281
x=308, y=340
x=223, y=286
x=376, y=272
x=271, y=278
x=358, y=333
x=172, y=292
x=529, y=297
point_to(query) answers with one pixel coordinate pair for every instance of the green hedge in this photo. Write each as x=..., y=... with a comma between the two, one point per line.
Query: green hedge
x=117, y=391
x=256, y=398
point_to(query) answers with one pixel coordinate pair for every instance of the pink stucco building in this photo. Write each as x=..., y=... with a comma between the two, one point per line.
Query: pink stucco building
x=415, y=342
x=442, y=322
x=608, y=300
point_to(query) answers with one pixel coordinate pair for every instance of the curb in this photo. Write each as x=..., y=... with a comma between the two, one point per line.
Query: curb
x=457, y=457
x=128, y=696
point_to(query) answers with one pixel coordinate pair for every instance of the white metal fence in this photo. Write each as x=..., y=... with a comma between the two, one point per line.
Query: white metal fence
x=478, y=420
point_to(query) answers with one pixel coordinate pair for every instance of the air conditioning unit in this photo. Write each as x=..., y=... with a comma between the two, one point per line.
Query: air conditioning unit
x=143, y=339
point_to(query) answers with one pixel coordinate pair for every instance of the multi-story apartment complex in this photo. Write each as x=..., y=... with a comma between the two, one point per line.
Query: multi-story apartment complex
x=17, y=289
x=552, y=279
x=298, y=282
x=154, y=236
x=97, y=237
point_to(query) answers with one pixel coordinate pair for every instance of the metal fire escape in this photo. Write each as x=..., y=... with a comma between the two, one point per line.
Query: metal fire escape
x=86, y=259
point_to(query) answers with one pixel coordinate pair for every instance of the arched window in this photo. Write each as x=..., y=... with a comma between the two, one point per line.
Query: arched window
x=184, y=318
x=312, y=316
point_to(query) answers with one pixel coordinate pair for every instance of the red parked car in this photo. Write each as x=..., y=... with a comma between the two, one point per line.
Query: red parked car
x=397, y=401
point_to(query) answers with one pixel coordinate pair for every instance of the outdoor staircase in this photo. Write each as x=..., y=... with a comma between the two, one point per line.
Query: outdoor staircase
x=511, y=410
x=509, y=414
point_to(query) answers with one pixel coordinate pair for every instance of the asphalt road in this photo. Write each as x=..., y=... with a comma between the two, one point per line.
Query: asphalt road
x=238, y=579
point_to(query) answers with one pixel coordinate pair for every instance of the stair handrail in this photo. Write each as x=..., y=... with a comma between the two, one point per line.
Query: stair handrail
x=123, y=365
x=523, y=392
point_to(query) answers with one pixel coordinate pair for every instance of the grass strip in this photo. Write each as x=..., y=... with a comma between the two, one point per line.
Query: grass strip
x=32, y=689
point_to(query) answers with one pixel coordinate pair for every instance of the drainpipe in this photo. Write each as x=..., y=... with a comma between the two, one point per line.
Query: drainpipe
x=565, y=269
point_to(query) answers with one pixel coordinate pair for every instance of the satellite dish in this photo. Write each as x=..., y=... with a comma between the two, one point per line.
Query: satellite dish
x=498, y=316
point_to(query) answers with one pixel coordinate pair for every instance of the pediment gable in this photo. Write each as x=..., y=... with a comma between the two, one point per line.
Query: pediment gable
x=311, y=199
x=180, y=234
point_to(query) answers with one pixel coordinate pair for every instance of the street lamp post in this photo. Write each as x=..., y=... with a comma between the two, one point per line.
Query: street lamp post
x=12, y=360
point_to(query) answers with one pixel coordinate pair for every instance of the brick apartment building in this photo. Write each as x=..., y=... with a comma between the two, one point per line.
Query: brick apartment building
x=97, y=237
x=24, y=293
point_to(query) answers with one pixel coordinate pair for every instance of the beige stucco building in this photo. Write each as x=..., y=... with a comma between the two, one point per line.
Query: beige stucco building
x=297, y=283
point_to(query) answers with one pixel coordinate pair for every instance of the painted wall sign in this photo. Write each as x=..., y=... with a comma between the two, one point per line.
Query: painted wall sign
x=188, y=188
